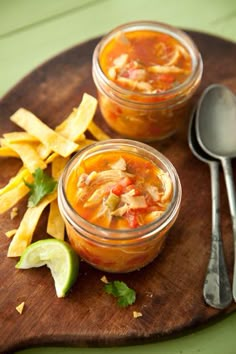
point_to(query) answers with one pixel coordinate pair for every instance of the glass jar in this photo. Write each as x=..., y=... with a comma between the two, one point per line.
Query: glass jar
x=146, y=116
x=122, y=250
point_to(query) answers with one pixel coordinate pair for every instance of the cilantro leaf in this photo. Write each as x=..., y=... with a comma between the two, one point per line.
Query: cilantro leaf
x=125, y=295
x=42, y=185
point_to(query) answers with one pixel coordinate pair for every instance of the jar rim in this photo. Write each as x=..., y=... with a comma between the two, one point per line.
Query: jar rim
x=178, y=34
x=145, y=231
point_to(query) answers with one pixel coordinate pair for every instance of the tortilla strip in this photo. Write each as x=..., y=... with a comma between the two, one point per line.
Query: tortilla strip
x=81, y=145
x=86, y=142
x=23, y=173
x=22, y=137
x=55, y=224
x=34, y=126
x=51, y=157
x=28, y=155
x=97, y=132
x=5, y=151
x=3, y=142
x=44, y=151
x=17, y=137
x=10, y=233
x=13, y=196
x=77, y=123
x=58, y=166
x=24, y=234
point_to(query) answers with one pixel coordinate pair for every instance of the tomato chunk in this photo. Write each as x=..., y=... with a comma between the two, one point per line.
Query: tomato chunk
x=132, y=219
x=117, y=190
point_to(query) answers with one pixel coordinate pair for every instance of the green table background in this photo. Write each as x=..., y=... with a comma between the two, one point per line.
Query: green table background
x=32, y=31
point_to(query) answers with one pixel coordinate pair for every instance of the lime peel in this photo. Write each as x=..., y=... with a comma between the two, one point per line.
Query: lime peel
x=58, y=256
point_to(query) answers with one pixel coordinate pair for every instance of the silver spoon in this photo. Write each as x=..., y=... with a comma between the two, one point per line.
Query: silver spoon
x=216, y=290
x=216, y=133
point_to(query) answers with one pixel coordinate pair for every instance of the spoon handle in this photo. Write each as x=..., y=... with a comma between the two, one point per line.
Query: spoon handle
x=229, y=180
x=216, y=290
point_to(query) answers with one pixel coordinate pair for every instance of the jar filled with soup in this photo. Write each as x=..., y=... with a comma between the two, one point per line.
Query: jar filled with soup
x=119, y=198
x=146, y=74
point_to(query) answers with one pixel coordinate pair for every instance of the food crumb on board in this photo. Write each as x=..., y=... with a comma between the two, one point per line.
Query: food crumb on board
x=104, y=279
x=14, y=213
x=10, y=233
x=20, y=307
x=149, y=294
x=137, y=314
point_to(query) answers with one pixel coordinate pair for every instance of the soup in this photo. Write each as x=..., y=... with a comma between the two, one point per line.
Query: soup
x=119, y=190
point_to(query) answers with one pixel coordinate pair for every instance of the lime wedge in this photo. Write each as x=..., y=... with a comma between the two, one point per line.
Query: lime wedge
x=58, y=256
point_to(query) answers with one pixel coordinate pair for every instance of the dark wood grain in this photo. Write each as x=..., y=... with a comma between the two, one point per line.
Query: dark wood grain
x=169, y=291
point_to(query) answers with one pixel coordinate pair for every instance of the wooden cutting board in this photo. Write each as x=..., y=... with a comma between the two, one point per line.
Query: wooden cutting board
x=169, y=291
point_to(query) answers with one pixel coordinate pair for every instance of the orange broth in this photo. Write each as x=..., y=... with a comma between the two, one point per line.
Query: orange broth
x=145, y=61
x=119, y=190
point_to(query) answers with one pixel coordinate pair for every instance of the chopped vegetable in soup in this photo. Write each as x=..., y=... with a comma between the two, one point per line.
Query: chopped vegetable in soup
x=119, y=190
x=146, y=61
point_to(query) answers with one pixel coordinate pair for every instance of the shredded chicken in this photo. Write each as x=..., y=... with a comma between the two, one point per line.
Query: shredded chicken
x=154, y=192
x=127, y=81
x=183, y=51
x=91, y=177
x=120, y=61
x=133, y=85
x=112, y=73
x=144, y=86
x=129, y=193
x=103, y=214
x=167, y=186
x=175, y=57
x=138, y=74
x=120, y=211
x=81, y=180
x=111, y=175
x=121, y=37
x=85, y=193
x=95, y=198
x=165, y=69
x=134, y=202
x=119, y=164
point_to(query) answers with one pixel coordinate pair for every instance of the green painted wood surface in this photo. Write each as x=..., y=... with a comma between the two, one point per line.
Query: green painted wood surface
x=30, y=34
x=25, y=14
x=32, y=31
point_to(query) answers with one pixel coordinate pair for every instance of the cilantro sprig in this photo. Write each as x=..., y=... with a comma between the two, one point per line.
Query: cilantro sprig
x=41, y=186
x=125, y=295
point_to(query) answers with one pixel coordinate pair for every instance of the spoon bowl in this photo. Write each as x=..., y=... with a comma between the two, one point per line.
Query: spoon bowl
x=216, y=122
x=194, y=145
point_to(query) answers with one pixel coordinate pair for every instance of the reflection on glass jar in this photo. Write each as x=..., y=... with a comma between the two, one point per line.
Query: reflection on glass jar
x=119, y=198
x=146, y=74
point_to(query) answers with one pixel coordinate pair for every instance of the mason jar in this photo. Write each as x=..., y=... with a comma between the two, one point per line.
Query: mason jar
x=146, y=74
x=106, y=248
